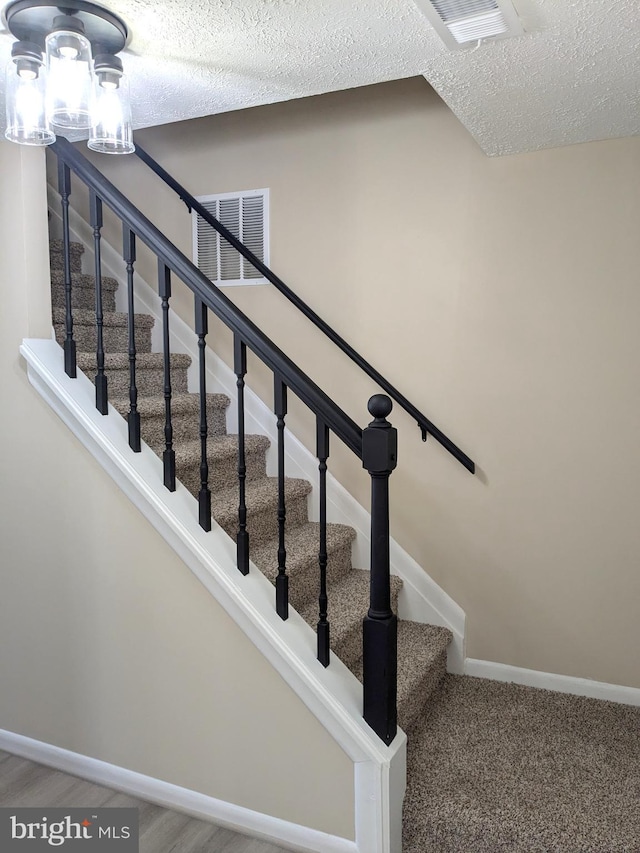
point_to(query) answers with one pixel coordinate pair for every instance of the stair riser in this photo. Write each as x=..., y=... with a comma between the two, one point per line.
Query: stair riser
x=186, y=427
x=304, y=583
x=115, y=338
x=82, y=297
x=263, y=524
x=223, y=473
x=411, y=707
x=148, y=382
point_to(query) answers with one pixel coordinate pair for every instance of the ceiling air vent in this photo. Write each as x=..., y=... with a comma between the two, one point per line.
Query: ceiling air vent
x=463, y=23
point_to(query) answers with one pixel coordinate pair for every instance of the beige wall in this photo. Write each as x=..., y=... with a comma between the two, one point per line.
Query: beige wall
x=108, y=645
x=501, y=296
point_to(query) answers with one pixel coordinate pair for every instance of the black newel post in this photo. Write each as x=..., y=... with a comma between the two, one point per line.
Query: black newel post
x=380, y=627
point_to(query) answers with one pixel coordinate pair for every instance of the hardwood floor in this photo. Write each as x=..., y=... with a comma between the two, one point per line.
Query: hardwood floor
x=24, y=784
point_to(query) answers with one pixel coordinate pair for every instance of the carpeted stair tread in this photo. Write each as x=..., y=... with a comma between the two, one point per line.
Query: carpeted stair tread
x=115, y=332
x=261, y=494
x=56, y=246
x=181, y=404
x=348, y=605
x=149, y=372
x=219, y=448
x=76, y=250
x=185, y=416
x=144, y=361
x=302, y=559
x=87, y=280
x=83, y=297
x=422, y=659
x=222, y=456
x=84, y=317
x=262, y=504
x=83, y=291
x=502, y=768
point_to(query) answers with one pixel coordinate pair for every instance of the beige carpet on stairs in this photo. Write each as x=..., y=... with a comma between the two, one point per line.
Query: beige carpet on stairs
x=422, y=648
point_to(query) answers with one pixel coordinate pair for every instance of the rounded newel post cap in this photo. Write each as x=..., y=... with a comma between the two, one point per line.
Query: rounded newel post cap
x=380, y=406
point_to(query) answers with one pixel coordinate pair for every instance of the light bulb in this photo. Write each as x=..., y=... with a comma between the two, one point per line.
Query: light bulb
x=69, y=52
x=28, y=73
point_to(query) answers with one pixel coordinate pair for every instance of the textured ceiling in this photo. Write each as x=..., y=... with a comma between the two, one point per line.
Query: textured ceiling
x=573, y=77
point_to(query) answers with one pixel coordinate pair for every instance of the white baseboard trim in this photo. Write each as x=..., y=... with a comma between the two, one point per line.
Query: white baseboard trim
x=552, y=681
x=421, y=599
x=293, y=836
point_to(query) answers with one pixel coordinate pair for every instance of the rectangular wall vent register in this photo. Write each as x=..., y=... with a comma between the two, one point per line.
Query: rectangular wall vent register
x=463, y=23
x=245, y=214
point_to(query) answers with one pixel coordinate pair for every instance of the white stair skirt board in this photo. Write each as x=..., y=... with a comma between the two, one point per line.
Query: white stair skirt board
x=421, y=599
x=552, y=681
x=333, y=694
x=281, y=832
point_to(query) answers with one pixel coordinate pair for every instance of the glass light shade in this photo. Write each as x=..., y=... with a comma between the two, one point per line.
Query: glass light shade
x=111, y=131
x=26, y=104
x=70, y=86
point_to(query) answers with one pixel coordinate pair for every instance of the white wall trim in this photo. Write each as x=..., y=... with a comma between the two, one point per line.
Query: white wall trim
x=421, y=599
x=333, y=694
x=293, y=836
x=552, y=681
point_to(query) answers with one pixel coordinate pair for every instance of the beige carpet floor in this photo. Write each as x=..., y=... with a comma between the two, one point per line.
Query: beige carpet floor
x=499, y=767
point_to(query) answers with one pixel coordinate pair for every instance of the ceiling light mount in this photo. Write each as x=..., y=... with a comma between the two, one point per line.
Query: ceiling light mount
x=33, y=20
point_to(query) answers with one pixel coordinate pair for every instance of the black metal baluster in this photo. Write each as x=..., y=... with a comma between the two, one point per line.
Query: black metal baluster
x=380, y=627
x=169, y=455
x=204, y=495
x=240, y=369
x=133, y=418
x=322, y=452
x=282, y=581
x=95, y=209
x=64, y=188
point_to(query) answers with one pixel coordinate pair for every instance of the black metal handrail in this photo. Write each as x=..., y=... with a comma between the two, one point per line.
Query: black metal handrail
x=305, y=388
x=425, y=425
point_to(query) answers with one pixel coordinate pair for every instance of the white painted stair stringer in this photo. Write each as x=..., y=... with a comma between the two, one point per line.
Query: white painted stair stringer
x=333, y=694
x=421, y=598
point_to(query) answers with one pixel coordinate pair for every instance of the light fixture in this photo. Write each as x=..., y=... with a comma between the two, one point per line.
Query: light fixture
x=70, y=86
x=81, y=87
x=111, y=128
x=25, y=93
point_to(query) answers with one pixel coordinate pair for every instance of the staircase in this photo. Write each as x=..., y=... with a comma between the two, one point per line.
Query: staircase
x=422, y=649
x=491, y=767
